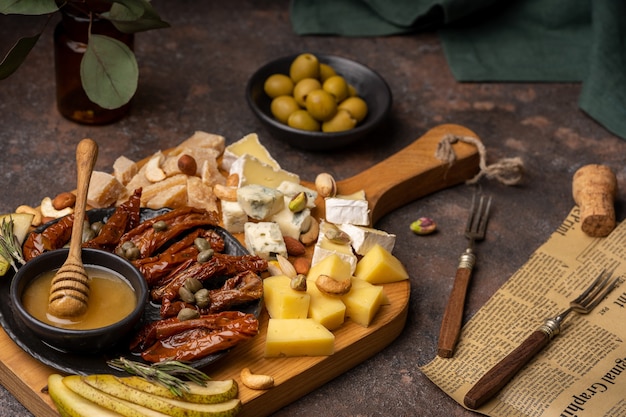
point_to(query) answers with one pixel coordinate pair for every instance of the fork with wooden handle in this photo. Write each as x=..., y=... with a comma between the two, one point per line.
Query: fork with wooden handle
x=453, y=315
x=498, y=376
x=69, y=289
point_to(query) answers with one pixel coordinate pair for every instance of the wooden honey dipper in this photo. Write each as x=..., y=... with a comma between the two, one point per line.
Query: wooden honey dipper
x=69, y=289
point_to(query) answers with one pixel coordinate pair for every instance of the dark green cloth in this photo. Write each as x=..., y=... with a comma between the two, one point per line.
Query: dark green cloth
x=501, y=41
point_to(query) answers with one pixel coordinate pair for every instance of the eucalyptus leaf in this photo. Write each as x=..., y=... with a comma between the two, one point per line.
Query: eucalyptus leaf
x=123, y=11
x=16, y=55
x=109, y=72
x=28, y=7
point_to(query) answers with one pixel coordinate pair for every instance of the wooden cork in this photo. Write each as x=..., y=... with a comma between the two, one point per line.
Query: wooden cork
x=594, y=188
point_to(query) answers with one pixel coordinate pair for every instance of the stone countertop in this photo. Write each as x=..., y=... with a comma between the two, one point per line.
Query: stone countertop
x=192, y=77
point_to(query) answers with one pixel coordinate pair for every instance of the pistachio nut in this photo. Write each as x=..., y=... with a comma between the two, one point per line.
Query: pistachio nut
x=298, y=282
x=423, y=226
x=335, y=235
x=298, y=202
x=326, y=185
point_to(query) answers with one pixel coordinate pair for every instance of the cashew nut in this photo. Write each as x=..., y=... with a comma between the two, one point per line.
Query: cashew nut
x=330, y=286
x=154, y=173
x=256, y=381
x=48, y=210
x=225, y=192
x=37, y=217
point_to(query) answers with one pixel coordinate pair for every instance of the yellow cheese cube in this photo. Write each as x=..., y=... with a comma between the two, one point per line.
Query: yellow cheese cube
x=298, y=337
x=379, y=266
x=333, y=266
x=363, y=301
x=327, y=310
x=281, y=301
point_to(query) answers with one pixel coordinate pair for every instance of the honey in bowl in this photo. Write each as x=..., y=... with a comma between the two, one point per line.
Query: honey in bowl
x=111, y=298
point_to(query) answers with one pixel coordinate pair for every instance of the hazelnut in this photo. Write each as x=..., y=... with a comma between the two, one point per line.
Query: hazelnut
x=187, y=165
x=64, y=200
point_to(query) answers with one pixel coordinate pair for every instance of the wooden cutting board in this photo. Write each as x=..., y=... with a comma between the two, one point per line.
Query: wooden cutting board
x=407, y=175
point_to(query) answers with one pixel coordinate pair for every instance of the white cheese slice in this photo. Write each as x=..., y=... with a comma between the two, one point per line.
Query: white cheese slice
x=233, y=216
x=292, y=189
x=324, y=247
x=250, y=145
x=260, y=202
x=292, y=224
x=363, y=238
x=252, y=171
x=343, y=210
x=264, y=240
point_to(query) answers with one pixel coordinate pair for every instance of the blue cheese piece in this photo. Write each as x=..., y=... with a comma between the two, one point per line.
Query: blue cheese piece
x=325, y=247
x=292, y=189
x=292, y=224
x=364, y=238
x=345, y=210
x=233, y=216
x=260, y=202
x=250, y=145
x=253, y=171
x=264, y=239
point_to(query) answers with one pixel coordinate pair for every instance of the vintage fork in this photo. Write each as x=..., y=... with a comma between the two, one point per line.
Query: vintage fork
x=453, y=315
x=498, y=376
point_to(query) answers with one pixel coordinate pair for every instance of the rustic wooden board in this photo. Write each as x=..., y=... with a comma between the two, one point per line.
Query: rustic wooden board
x=409, y=174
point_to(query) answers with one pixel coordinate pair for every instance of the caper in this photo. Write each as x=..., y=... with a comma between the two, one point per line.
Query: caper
x=303, y=88
x=129, y=244
x=188, y=314
x=96, y=227
x=356, y=106
x=282, y=107
x=193, y=284
x=321, y=105
x=205, y=255
x=278, y=85
x=160, y=226
x=186, y=295
x=202, y=298
x=201, y=244
x=304, y=66
x=132, y=253
x=301, y=119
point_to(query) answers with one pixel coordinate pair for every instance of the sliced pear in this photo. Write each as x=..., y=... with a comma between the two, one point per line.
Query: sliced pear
x=175, y=408
x=213, y=392
x=21, y=226
x=70, y=404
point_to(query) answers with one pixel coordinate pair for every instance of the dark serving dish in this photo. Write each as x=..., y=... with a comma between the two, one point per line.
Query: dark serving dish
x=84, y=363
x=369, y=85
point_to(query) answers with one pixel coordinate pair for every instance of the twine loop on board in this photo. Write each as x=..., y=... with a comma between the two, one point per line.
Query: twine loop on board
x=508, y=171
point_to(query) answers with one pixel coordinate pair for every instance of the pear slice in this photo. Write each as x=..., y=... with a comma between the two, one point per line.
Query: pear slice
x=70, y=404
x=21, y=227
x=211, y=393
x=121, y=407
x=175, y=408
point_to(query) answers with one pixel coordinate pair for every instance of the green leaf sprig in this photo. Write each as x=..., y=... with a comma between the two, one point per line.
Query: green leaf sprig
x=10, y=247
x=171, y=374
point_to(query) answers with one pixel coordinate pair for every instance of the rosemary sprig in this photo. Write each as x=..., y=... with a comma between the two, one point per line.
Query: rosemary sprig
x=10, y=248
x=167, y=373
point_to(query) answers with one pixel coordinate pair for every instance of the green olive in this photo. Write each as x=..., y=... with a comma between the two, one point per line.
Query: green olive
x=356, y=106
x=303, y=88
x=278, y=85
x=321, y=105
x=326, y=71
x=352, y=91
x=304, y=66
x=301, y=119
x=337, y=86
x=282, y=107
x=343, y=120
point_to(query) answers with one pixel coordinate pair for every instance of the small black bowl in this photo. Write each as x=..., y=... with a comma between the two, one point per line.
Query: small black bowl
x=90, y=341
x=369, y=85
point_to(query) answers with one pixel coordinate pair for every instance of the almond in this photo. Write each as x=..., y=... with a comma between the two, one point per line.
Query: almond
x=302, y=264
x=64, y=200
x=294, y=246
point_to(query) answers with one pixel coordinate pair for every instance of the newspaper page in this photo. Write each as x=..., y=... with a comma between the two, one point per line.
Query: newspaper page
x=582, y=371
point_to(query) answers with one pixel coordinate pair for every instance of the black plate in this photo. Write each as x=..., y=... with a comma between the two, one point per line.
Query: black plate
x=73, y=363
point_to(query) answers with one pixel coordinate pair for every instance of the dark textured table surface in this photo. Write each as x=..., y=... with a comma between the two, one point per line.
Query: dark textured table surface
x=192, y=77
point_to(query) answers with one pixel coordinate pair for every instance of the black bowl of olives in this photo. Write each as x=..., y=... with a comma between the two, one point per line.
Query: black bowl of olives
x=318, y=102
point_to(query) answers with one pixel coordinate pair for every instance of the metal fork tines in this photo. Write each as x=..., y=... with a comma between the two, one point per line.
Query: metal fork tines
x=498, y=376
x=453, y=316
